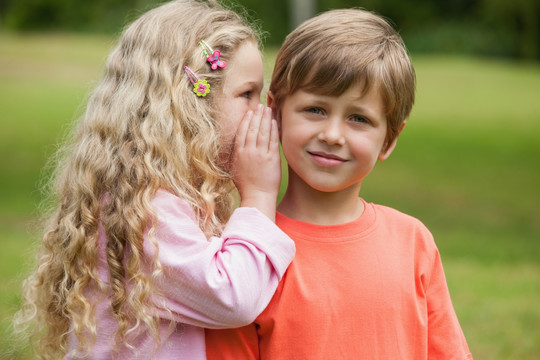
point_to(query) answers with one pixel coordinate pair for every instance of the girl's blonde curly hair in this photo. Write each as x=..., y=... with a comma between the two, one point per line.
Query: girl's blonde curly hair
x=143, y=129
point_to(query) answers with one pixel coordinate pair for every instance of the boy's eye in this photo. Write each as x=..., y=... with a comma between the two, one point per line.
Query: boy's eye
x=359, y=119
x=315, y=110
x=247, y=94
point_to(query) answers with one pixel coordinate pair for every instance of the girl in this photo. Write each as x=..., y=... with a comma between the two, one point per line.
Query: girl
x=142, y=249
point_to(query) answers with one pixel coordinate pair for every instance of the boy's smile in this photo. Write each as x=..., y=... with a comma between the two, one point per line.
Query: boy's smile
x=332, y=142
x=326, y=159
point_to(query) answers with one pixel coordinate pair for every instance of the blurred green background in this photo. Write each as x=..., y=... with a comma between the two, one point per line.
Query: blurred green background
x=483, y=27
x=467, y=164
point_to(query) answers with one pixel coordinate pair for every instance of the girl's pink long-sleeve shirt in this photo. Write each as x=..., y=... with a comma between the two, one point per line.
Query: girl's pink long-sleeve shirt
x=220, y=282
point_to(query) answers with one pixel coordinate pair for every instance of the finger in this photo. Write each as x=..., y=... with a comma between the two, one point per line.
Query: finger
x=253, y=130
x=265, y=128
x=273, y=145
x=241, y=132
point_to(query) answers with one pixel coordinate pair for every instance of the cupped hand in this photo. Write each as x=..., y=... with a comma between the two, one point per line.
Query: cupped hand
x=257, y=162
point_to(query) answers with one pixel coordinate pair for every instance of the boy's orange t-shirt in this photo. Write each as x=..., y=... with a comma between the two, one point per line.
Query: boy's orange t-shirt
x=370, y=289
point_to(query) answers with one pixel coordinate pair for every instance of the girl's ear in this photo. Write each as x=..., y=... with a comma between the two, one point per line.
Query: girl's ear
x=387, y=149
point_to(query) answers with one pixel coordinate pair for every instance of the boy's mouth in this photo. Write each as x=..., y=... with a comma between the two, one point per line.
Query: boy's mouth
x=325, y=159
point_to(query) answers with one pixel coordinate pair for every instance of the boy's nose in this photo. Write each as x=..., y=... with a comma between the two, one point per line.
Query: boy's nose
x=332, y=133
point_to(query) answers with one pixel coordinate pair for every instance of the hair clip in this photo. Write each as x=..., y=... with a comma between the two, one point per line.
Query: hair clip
x=200, y=87
x=214, y=58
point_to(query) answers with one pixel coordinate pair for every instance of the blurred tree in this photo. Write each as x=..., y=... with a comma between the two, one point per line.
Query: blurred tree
x=272, y=15
x=4, y=6
x=484, y=27
x=73, y=15
x=518, y=19
x=301, y=10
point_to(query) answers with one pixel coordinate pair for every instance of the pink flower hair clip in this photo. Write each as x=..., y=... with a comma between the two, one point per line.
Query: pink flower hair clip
x=214, y=58
x=200, y=87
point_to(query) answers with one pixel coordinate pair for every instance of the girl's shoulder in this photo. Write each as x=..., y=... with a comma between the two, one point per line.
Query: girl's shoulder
x=165, y=203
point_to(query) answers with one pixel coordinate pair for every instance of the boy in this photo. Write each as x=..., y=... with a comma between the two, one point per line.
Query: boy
x=367, y=281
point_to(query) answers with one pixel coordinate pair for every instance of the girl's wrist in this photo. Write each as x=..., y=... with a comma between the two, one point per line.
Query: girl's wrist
x=264, y=202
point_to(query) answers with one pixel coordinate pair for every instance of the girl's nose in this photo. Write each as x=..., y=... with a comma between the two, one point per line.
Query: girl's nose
x=332, y=133
x=254, y=102
x=253, y=105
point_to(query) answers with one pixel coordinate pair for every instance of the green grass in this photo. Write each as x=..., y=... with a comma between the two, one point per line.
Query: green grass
x=467, y=165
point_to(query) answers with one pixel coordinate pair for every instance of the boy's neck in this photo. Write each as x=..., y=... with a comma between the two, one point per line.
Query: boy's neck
x=306, y=204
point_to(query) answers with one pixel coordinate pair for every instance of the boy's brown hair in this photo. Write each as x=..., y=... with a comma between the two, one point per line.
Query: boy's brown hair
x=339, y=48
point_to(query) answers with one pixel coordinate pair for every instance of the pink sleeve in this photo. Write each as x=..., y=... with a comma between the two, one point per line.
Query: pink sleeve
x=445, y=337
x=219, y=282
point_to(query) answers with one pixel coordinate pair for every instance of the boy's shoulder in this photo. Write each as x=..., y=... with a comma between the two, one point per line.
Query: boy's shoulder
x=390, y=211
x=391, y=223
x=392, y=217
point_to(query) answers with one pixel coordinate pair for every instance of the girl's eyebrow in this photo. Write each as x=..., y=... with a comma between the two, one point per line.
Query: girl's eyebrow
x=255, y=83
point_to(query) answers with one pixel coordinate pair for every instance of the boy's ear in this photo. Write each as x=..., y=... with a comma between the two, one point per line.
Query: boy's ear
x=270, y=102
x=387, y=149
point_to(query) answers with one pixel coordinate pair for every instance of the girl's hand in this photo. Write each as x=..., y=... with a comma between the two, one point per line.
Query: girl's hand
x=257, y=162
